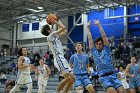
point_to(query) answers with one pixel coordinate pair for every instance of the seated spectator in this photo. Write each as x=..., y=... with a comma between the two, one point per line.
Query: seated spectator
x=13, y=67
x=36, y=58
x=46, y=56
x=3, y=77
x=9, y=85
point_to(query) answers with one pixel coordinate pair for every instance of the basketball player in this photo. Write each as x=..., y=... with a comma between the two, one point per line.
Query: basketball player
x=122, y=77
x=24, y=67
x=42, y=73
x=133, y=71
x=102, y=58
x=57, y=49
x=80, y=64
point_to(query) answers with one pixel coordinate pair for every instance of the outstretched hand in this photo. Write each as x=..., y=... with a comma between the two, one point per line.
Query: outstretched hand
x=88, y=24
x=96, y=22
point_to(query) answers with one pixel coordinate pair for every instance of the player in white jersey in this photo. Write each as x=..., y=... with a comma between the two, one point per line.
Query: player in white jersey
x=59, y=61
x=122, y=77
x=24, y=76
x=42, y=73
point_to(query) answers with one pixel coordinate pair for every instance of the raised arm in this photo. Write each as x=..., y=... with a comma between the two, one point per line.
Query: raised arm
x=90, y=40
x=105, y=39
x=61, y=28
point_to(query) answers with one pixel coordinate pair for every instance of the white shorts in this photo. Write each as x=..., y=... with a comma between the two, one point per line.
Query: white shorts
x=42, y=81
x=125, y=85
x=24, y=79
x=62, y=64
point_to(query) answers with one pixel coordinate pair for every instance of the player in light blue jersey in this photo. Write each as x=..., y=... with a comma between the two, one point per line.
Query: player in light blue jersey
x=80, y=64
x=133, y=71
x=102, y=57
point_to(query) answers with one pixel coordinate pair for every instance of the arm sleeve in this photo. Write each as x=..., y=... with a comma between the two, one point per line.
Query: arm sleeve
x=72, y=59
x=92, y=51
x=107, y=48
x=87, y=62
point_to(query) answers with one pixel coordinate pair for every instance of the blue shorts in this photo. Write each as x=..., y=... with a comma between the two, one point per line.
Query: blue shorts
x=110, y=81
x=82, y=80
x=134, y=84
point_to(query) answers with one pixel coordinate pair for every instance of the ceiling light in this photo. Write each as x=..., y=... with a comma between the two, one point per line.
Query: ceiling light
x=36, y=10
x=89, y=0
x=37, y=19
x=40, y=7
x=20, y=21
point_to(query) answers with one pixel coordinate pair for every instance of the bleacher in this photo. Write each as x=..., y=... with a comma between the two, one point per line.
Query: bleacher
x=52, y=82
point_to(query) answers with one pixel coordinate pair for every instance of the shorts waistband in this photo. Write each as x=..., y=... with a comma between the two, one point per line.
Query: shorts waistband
x=107, y=74
x=82, y=74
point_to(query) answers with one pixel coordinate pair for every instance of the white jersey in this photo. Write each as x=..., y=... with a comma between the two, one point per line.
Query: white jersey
x=55, y=44
x=123, y=80
x=42, y=71
x=26, y=62
x=122, y=77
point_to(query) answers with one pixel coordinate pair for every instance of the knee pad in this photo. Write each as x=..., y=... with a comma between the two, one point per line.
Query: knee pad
x=79, y=91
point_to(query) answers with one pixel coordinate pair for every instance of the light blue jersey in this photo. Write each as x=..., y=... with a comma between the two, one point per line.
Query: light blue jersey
x=79, y=63
x=135, y=81
x=134, y=70
x=103, y=60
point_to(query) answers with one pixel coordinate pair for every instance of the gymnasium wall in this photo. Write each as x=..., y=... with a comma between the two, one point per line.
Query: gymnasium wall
x=134, y=22
x=29, y=34
x=34, y=37
x=111, y=26
x=77, y=33
x=5, y=36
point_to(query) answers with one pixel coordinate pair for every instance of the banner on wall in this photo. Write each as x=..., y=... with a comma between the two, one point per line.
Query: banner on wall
x=25, y=27
x=35, y=26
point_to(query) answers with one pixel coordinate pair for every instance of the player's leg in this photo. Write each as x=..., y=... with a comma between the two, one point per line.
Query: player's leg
x=111, y=90
x=69, y=83
x=15, y=88
x=29, y=84
x=62, y=65
x=40, y=87
x=107, y=84
x=63, y=82
x=43, y=89
x=126, y=87
x=120, y=89
x=132, y=90
x=87, y=83
x=132, y=86
x=79, y=89
x=78, y=84
x=138, y=84
x=90, y=89
x=20, y=80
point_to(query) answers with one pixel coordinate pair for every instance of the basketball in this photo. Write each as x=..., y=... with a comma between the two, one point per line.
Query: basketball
x=49, y=17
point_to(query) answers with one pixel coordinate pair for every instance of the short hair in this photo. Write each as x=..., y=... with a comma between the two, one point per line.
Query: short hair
x=121, y=65
x=45, y=29
x=98, y=39
x=78, y=43
x=41, y=58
